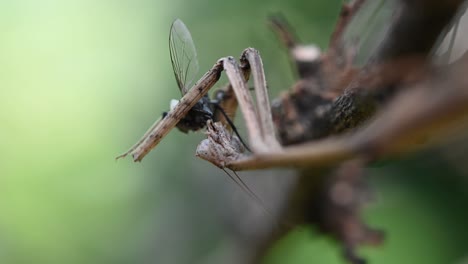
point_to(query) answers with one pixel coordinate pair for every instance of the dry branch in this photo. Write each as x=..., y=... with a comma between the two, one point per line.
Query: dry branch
x=361, y=114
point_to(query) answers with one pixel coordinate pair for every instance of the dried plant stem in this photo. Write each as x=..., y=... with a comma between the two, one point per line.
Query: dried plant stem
x=428, y=109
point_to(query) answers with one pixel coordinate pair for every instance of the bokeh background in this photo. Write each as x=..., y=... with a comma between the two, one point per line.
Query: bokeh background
x=81, y=80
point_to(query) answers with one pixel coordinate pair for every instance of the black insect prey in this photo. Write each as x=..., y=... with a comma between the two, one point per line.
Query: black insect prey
x=185, y=65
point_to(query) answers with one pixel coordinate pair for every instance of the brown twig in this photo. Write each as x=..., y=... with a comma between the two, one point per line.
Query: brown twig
x=284, y=31
x=346, y=14
x=429, y=108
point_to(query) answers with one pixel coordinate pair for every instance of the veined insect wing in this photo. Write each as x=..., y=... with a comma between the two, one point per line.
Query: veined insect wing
x=183, y=55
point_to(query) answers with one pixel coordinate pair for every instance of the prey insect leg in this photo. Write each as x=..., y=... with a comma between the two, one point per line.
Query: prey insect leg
x=231, y=124
x=238, y=180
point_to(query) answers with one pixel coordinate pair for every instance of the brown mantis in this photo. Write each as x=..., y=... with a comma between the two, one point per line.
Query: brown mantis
x=195, y=109
x=192, y=111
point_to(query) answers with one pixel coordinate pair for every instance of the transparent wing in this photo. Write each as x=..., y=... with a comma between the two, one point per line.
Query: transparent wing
x=368, y=28
x=371, y=24
x=455, y=42
x=183, y=55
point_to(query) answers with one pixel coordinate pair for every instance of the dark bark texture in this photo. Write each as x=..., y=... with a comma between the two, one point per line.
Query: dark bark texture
x=333, y=96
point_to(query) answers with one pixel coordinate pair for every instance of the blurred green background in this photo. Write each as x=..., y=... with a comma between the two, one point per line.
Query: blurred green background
x=80, y=81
